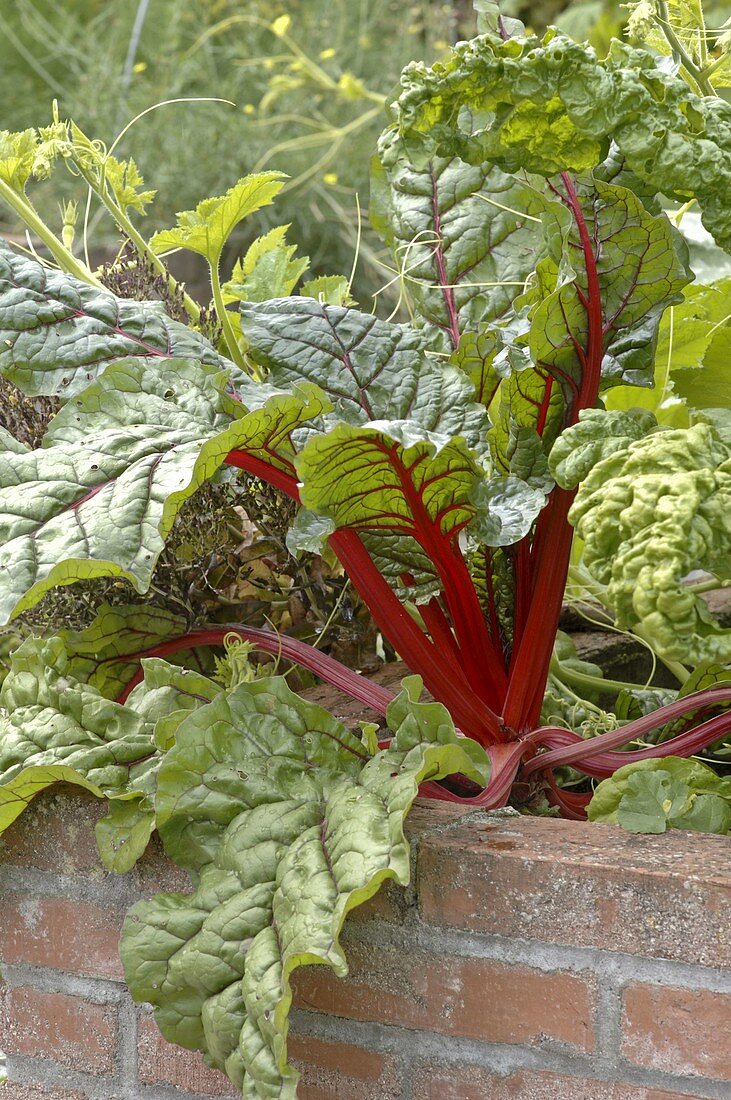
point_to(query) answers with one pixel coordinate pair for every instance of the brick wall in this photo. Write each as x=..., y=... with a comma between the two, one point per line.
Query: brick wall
x=533, y=958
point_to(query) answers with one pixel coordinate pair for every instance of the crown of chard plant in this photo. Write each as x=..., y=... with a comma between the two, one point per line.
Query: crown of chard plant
x=522, y=185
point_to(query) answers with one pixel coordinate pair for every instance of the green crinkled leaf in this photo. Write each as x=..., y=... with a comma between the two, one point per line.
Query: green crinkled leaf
x=167, y=695
x=55, y=729
x=57, y=333
x=595, y=436
x=652, y=795
x=651, y=514
x=117, y=463
x=507, y=508
x=268, y=270
x=206, y=229
x=303, y=825
x=370, y=369
x=458, y=234
x=551, y=106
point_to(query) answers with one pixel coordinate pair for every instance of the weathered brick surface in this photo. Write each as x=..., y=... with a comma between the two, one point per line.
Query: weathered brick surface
x=434, y=1082
x=684, y=1031
x=471, y=998
x=13, y=1090
x=161, y=1063
x=60, y=933
x=486, y=956
x=51, y=1025
x=49, y=838
x=582, y=885
x=333, y=1071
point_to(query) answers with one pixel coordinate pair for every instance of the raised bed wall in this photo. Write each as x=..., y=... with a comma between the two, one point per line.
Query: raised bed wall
x=534, y=958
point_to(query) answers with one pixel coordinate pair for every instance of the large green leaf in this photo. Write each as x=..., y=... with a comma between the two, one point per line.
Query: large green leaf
x=551, y=105
x=57, y=333
x=54, y=729
x=649, y=515
x=117, y=463
x=206, y=229
x=303, y=825
x=370, y=369
x=652, y=795
x=460, y=238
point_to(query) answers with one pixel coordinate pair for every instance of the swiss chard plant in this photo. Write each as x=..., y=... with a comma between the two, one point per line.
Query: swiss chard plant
x=523, y=186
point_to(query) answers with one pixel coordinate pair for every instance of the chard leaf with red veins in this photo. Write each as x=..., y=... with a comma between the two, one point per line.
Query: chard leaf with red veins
x=118, y=462
x=369, y=369
x=639, y=272
x=57, y=333
x=462, y=235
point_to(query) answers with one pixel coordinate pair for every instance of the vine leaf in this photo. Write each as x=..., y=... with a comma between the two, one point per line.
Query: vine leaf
x=268, y=270
x=206, y=229
x=117, y=464
x=57, y=333
x=303, y=825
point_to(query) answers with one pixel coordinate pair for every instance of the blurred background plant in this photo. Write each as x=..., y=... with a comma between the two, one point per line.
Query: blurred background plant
x=307, y=81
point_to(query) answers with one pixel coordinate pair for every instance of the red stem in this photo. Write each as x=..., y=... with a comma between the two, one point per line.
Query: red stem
x=328, y=669
x=473, y=716
x=264, y=470
x=505, y=761
x=594, y=755
x=482, y=657
x=440, y=632
x=553, y=537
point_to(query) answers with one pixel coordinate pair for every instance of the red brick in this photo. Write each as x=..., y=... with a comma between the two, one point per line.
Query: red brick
x=332, y=1071
x=432, y=1082
x=684, y=1031
x=582, y=885
x=473, y=998
x=56, y=833
x=60, y=933
x=71, y=1032
x=162, y=1063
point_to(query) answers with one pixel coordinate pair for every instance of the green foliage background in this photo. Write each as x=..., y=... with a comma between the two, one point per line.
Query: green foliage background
x=78, y=52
